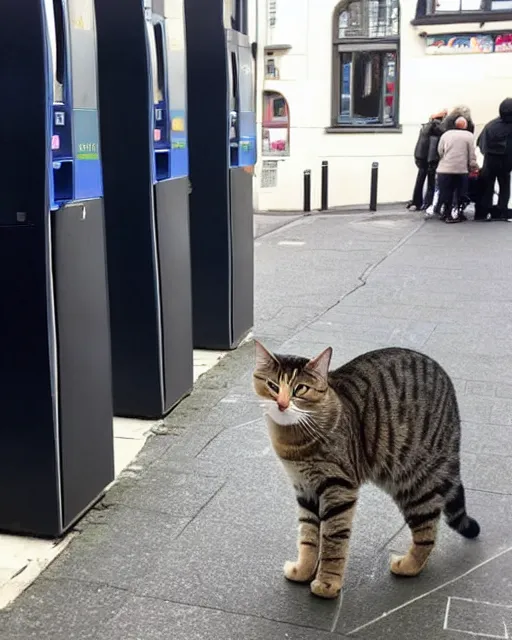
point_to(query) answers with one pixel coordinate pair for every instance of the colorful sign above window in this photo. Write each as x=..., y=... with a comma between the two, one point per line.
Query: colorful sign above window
x=469, y=43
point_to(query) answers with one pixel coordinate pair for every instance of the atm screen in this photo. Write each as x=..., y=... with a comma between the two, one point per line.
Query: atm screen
x=158, y=29
x=234, y=15
x=83, y=53
x=177, y=73
x=157, y=79
x=234, y=96
x=157, y=37
x=246, y=90
x=56, y=32
x=228, y=13
x=175, y=42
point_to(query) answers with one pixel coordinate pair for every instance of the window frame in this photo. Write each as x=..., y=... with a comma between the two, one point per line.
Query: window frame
x=271, y=59
x=275, y=122
x=380, y=44
x=426, y=14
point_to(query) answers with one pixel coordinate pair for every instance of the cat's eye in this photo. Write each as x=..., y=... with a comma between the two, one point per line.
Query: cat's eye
x=300, y=390
x=273, y=386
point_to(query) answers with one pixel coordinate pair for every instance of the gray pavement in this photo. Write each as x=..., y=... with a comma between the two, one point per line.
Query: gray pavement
x=265, y=223
x=190, y=543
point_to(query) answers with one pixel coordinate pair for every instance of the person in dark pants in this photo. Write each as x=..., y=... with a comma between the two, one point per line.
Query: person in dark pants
x=426, y=159
x=495, y=143
x=458, y=158
x=438, y=128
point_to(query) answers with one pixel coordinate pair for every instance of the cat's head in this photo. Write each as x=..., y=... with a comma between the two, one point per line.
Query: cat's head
x=293, y=387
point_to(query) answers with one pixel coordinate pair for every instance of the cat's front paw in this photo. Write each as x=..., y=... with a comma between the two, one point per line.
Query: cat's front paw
x=298, y=573
x=406, y=566
x=324, y=589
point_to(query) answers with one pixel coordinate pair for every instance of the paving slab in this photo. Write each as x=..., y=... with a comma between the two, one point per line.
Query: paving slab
x=451, y=560
x=169, y=620
x=117, y=547
x=265, y=223
x=487, y=439
x=61, y=610
x=476, y=604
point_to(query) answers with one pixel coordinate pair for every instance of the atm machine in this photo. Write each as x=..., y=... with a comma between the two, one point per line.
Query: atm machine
x=56, y=452
x=142, y=88
x=222, y=142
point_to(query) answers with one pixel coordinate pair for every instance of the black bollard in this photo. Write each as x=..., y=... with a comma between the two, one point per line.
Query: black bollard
x=373, y=186
x=325, y=187
x=307, y=190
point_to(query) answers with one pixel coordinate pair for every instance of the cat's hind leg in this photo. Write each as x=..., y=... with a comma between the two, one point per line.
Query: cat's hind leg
x=456, y=514
x=422, y=515
x=308, y=542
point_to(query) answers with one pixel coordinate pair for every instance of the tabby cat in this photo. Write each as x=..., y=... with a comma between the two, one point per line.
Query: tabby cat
x=390, y=417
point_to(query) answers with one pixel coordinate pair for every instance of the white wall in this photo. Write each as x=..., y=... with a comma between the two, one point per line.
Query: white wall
x=427, y=84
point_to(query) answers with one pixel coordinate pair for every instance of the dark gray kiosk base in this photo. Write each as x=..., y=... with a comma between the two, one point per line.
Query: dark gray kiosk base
x=56, y=457
x=242, y=247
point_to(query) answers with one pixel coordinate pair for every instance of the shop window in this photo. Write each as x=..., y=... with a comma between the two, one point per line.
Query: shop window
x=434, y=7
x=453, y=11
x=365, y=64
x=276, y=125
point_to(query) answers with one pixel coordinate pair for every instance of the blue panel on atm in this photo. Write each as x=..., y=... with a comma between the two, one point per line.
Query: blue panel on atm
x=247, y=140
x=161, y=143
x=61, y=138
x=246, y=116
x=76, y=167
x=161, y=133
x=179, y=144
x=160, y=90
x=61, y=182
x=87, y=165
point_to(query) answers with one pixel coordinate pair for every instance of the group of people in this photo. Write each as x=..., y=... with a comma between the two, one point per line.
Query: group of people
x=445, y=156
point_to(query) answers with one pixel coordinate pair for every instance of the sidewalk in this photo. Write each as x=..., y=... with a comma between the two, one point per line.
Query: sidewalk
x=190, y=543
x=23, y=558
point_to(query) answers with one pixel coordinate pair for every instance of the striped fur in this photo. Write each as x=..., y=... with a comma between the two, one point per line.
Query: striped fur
x=389, y=417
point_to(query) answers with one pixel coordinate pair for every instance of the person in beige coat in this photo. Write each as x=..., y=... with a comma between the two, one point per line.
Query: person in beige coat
x=457, y=158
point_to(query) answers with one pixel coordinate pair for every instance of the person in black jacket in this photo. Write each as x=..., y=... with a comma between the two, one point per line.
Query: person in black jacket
x=495, y=143
x=426, y=159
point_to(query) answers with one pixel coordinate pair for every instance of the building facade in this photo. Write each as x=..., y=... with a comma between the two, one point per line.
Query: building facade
x=351, y=83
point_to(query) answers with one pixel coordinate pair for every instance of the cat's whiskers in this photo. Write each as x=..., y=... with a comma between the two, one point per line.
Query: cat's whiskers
x=307, y=422
x=311, y=433
x=305, y=430
x=313, y=421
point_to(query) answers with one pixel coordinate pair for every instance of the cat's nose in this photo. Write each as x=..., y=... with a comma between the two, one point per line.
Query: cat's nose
x=283, y=399
x=283, y=405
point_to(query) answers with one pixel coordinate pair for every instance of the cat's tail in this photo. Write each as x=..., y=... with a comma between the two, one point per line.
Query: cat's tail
x=456, y=515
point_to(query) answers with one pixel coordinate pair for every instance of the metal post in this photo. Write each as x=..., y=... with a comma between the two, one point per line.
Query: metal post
x=325, y=186
x=307, y=190
x=373, y=186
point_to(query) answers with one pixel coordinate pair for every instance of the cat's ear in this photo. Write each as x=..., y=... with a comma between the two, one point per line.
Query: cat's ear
x=320, y=364
x=264, y=358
